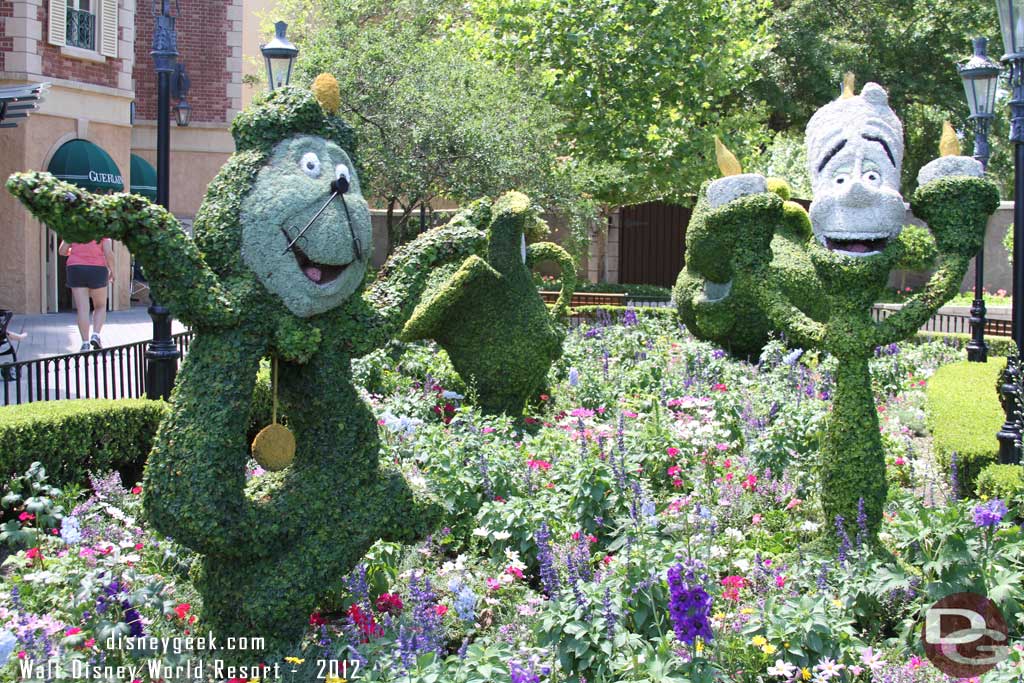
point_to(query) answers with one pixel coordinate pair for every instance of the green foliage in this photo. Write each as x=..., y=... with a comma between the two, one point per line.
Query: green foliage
x=29, y=508
x=488, y=317
x=643, y=85
x=69, y=439
x=786, y=158
x=1000, y=481
x=437, y=119
x=964, y=415
x=1003, y=347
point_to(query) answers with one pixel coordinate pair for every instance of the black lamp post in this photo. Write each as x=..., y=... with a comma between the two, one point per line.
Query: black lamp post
x=1011, y=21
x=161, y=354
x=179, y=90
x=981, y=78
x=279, y=55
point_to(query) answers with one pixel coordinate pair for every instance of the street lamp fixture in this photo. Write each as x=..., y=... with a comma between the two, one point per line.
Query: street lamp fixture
x=1011, y=22
x=981, y=80
x=179, y=90
x=279, y=55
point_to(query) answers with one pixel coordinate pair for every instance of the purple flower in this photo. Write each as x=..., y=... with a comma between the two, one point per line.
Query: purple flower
x=629, y=316
x=520, y=674
x=548, y=573
x=610, y=618
x=990, y=514
x=689, y=607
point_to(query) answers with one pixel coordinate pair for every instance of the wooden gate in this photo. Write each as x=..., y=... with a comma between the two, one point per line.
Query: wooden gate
x=652, y=243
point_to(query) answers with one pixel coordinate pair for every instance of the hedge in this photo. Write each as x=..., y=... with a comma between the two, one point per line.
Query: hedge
x=1001, y=481
x=73, y=438
x=998, y=347
x=964, y=415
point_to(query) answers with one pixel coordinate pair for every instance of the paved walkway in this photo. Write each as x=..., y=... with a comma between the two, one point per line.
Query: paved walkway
x=54, y=334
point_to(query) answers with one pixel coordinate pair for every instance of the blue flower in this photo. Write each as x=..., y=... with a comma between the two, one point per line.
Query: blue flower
x=574, y=377
x=7, y=644
x=70, y=530
x=465, y=604
x=689, y=606
x=990, y=514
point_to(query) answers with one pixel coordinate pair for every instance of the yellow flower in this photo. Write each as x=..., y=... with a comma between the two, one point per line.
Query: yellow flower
x=786, y=644
x=294, y=660
x=700, y=645
x=805, y=673
x=719, y=616
x=758, y=641
x=837, y=602
x=768, y=649
x=335, y=679
x=747, y=610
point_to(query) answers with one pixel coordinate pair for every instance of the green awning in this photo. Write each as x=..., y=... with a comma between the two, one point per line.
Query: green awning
x=84, y=164
x=143, y=178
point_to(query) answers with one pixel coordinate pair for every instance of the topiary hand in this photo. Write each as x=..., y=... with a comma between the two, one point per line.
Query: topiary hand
x=956, y=209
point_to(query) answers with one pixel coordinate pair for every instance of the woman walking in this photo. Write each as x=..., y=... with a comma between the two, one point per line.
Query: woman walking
x=90, y=268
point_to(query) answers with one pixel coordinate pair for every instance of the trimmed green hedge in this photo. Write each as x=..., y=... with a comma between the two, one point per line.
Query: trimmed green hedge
x=964, y=415
x=1001, y=481
x=73, y=438
x=998, y=347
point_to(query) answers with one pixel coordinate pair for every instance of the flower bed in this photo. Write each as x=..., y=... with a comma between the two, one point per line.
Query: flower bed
x=659, y=520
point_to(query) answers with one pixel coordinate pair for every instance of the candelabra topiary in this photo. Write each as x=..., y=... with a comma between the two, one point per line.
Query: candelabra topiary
x=500, y=336
x=274, y=546
x=855, y=150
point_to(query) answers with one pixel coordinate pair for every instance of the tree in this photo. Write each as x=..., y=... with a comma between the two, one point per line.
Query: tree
x=434, y=120
x=642, y=84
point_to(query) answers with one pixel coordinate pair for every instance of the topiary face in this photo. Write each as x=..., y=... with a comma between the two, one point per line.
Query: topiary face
x=323, y=268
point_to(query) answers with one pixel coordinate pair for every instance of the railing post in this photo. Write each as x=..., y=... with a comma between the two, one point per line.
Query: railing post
x=161, y=356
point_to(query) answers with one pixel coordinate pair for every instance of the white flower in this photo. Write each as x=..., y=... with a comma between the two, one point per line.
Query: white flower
x=501, y=535
x=70, y=530
x=452, y=395
x=810, y=527
x=782, y=669
x=482, y=531
x=513, y=559
x=828, y=668
x=734, y=534
x=742, y=564
x=871, y=659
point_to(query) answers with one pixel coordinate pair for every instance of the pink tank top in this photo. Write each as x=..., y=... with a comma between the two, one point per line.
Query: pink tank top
x=88, y=254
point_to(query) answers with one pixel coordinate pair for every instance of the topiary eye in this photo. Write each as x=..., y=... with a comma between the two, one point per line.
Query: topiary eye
x=310, y=164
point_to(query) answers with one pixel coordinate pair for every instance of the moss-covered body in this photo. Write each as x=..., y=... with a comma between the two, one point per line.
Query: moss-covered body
x=275, y=545
x=500, y=336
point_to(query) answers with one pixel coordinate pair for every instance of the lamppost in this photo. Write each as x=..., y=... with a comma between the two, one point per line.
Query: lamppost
x=161, y=354
x=179, y=90
x=1011, y=23
x=279, y=54
x=980, y=76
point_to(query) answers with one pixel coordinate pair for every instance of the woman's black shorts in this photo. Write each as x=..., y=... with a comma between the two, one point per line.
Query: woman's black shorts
x=93, y=277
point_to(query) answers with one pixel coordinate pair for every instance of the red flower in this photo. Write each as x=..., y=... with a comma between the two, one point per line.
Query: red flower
x=182, y=609
x=721, y=387
x=26, y=517
x=538, y=464
x=136, y=490
x=544, y=397
x=499, y=499
x=750, y=483
x=34, y=553
x=365, y=623
x=441, y=610
x=389, y=603
x=732, y=585
x=315, y=619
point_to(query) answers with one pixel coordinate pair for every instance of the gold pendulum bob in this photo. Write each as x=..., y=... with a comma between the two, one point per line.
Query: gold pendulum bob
x=274, y=447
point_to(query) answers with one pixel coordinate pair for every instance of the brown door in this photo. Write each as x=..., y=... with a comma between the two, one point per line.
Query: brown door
x=653, y=243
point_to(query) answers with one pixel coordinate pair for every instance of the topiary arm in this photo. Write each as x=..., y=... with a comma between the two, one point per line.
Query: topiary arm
x=177, y=274
x=956, y=210
x=402, y=280
x=549, y=251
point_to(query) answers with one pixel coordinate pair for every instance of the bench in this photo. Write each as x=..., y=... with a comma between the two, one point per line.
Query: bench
x=587, y=299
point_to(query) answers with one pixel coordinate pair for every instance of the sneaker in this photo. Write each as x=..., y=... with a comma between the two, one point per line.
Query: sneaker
x=86, y=346
x=95, y=341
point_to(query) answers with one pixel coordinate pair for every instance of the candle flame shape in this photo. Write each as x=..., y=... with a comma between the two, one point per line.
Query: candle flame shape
x=949, y=144
x=849, y=82
x=728, y=164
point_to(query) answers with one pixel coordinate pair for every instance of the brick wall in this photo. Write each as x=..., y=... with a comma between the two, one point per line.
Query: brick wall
x=56, y=65
x=203, y=47
x=6, y=42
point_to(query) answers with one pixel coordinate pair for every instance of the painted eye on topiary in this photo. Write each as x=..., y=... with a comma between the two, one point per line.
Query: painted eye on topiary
x=310, y=164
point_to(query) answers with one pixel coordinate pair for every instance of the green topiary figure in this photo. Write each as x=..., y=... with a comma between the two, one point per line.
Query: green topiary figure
x=253, y=284
x=855, y=151
x=500, y=336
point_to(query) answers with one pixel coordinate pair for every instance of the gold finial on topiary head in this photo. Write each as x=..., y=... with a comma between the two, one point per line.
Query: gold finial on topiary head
x=327, y=92
x=728, y=164
x=849, y=83
x=949, y=144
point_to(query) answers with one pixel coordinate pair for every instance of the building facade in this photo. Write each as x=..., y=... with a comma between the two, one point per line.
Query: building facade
x=95, y=53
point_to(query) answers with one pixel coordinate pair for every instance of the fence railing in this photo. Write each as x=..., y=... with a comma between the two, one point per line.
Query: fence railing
x=114, y=372
x=952, y=322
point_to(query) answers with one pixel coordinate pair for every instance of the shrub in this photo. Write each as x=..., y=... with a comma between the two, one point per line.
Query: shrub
x=964, y=415
x=998, y=347
x=1001, y=481
x=72, y=438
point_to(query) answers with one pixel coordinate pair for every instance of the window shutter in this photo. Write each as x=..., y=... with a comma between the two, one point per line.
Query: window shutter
x=58, y=22
x=108, y=32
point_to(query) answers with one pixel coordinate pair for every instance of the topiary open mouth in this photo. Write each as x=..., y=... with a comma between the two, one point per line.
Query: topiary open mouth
x=318, y=273
x=857, y=247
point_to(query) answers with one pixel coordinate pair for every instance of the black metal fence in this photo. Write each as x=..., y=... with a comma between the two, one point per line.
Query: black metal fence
x=953, y=323
x=114, y=372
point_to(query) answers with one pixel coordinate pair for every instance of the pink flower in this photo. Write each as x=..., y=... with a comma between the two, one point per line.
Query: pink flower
x=750, y=483
x=721, y=387
x=732, y=586
x=677, y=482
x=757, y=519
x=722, y=446
x=136, y=490
x=26, y=517
x=728, y=476
x=138, y=546
x=780, y=581
x=855, y=670
x=674, y=470
x=90, y=642
x=493, y=584
x=487, y=430
x=74, y=631
x=316, y=619
x=916, y=662
x=727, y=463
x=441, y=610
x=629, y=413
x=582, y=412
x=900, y=462
x=538, y=464
x=672, y=451
x=793, y=503
x=34, y=553
x=21, y=654
x=514, y=571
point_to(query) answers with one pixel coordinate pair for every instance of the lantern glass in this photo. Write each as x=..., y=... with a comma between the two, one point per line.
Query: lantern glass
x=981, y=95
x=1011, y=22
x=279, y=55
x=279, y=71
x=183, y=113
